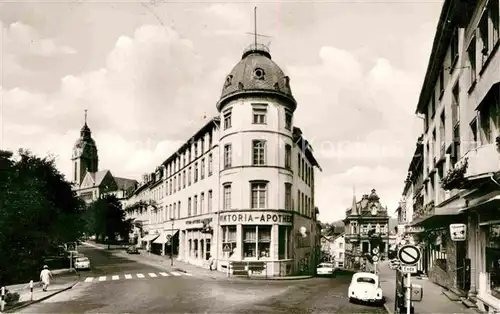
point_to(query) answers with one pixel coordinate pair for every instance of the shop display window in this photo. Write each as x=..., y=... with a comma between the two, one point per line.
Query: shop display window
x=493, y=258
x=256, y=241
x=229, y=237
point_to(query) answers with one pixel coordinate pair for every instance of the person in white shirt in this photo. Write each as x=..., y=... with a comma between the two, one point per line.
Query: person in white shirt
x=45, y=276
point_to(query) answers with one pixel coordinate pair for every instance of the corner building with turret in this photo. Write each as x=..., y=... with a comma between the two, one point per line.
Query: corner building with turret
x=240, y=192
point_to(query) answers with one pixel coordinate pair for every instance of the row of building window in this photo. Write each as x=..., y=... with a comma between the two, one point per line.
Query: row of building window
x=188, y=177
x=173, y=211
x=259, y=153
x=189, y=155
x=258, y=198
x=259, y=116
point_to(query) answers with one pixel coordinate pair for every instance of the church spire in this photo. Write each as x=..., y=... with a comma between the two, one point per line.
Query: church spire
x=354, y=207
x=85, y=131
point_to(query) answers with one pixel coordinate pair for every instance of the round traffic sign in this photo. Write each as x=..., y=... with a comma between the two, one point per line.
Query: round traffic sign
x=375, y=250
x=375, y=258
x=409, y=254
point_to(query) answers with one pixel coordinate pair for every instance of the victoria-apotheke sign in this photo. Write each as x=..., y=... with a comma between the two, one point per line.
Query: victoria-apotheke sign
x=256, y=217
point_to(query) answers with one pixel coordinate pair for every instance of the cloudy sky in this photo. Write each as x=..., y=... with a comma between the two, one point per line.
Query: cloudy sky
x=149, y=71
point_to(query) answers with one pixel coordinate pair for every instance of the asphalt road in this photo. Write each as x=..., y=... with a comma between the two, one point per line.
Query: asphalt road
x=166, y=292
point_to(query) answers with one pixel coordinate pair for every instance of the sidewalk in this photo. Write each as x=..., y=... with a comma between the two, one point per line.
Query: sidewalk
x=434, y=301
x=63, y=280
x=164, y=262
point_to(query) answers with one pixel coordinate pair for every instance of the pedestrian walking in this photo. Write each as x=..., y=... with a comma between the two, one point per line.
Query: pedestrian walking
x=45, y=276
x=211, y=262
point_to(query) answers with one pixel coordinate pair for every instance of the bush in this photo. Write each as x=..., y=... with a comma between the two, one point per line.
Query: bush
x=11, y=297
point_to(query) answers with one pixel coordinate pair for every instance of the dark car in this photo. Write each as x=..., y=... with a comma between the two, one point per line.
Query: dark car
x=132, y=250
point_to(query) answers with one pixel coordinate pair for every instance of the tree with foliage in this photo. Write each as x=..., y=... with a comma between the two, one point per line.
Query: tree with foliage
x=106, y=219
x=38, y=212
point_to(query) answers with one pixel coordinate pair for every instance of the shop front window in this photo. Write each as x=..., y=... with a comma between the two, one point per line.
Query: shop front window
x=256, y=241
x=493, y=258
x=229, y=237
x=249, y=241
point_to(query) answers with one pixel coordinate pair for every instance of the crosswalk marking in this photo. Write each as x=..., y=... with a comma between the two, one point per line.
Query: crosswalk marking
x=138, y=275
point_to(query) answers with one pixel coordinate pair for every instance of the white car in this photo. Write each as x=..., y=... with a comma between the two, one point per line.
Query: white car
x=82, y=263
x=325, y=269
x=365, y=287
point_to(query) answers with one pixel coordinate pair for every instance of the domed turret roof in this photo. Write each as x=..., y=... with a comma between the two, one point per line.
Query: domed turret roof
x=256, y=73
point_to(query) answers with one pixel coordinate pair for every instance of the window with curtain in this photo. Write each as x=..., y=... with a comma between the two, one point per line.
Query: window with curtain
x=259, y=195
x=227, y=197
x=249, y=241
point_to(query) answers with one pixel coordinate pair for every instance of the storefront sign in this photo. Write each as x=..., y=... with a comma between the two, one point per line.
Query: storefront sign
x=198, y=221
x=256, y=218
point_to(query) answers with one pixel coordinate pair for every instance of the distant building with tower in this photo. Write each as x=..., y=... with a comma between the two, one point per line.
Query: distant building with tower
x=88, y=181
x=365, y=221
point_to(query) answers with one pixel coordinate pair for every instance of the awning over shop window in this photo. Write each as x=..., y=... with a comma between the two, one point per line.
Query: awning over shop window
x=149, y=237
x=165, y=237
x=442, y=216
x=492, y=201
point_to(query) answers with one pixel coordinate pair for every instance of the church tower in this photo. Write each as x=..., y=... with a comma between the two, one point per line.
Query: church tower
x=84, y=157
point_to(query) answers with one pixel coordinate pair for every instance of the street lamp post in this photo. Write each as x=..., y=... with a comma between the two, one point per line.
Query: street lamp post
x=172, y=244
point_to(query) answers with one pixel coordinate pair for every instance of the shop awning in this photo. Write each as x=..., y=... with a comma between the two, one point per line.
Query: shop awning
x=442, y=215
x=488, y=202
x=165, y=237
x=150, y=237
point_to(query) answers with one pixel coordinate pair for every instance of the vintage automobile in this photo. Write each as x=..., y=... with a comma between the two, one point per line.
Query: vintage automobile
x=132, y=250
x=365, y=287
x=325, y=269
x=82, y=263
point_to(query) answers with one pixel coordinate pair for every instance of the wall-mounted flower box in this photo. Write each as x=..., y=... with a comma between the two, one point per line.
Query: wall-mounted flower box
x=455, y=177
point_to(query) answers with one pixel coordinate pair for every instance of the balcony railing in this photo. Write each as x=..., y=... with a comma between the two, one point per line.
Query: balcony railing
x=483, y=159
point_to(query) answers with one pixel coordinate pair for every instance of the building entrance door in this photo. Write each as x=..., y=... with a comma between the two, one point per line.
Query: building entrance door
x=462, y=266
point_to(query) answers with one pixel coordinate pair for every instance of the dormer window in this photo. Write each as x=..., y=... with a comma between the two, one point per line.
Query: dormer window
x=229, y=79
x=258, y=74
x=374, y=210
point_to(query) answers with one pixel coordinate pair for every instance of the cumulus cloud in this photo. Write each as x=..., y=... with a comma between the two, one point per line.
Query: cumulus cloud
x=22, y=39
x=140, y=103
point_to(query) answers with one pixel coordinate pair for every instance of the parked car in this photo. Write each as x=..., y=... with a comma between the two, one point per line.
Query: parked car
x=325, y=269
x=132, y=250
x=365, y=287
x=82, y=263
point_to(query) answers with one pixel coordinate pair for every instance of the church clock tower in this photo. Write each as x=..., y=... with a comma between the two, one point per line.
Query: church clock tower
x=84, y=158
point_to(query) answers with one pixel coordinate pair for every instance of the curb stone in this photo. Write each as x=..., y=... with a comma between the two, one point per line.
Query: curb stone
x=387, y=309
x=16, y=308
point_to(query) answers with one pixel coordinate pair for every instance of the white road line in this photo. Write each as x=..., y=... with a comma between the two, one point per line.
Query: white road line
x=102, y=278
x=164, y=274
x=175, y=273
x=140, y=276
x=127, y=276
x=152, y=275
x=115, y=277
x=89, y=279
x=188, y=274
